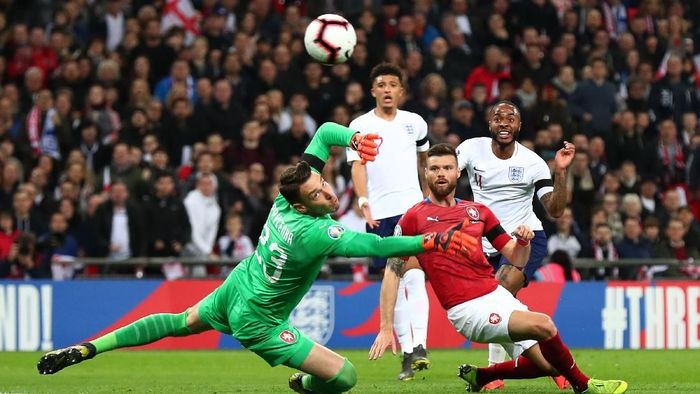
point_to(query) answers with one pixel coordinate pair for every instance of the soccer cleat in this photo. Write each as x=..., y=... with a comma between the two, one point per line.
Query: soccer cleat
x=56, y=360
x=597, y=386
x=561, y=382
x=406, y=369
x=468, y=374
x=495, y=385
x=419, y=359
x=295, y=383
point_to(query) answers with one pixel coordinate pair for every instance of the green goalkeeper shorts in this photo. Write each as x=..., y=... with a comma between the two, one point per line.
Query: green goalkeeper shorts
x=225, y=311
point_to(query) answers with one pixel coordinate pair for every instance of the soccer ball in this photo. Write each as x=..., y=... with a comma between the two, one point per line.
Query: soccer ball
x=330, y=39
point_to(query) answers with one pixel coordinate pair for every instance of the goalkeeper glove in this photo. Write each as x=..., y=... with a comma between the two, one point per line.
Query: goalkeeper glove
x=452, y=241
x=366, y=146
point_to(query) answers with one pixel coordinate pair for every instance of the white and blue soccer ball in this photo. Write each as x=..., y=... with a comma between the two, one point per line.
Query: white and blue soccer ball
x=330, y=39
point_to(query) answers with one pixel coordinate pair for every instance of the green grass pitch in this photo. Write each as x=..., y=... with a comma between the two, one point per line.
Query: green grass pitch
x=223, y=371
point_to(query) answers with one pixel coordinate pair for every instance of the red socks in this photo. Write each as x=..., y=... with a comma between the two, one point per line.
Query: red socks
x=526, y=369
x=560, y=357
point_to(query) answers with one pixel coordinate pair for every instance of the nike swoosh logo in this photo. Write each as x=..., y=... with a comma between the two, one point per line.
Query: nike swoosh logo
x=432, y=219
x=477, y=170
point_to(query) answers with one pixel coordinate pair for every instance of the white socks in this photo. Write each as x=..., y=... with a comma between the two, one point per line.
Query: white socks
x=418, y=305
x=497, y=354
x=402, y=319
x=411, y=311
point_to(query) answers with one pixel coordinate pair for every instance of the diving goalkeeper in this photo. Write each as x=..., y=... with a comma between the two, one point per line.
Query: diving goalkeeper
x=254, y=302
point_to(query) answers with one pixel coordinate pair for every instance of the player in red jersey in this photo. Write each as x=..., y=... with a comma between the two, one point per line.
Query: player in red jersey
x=478, y=307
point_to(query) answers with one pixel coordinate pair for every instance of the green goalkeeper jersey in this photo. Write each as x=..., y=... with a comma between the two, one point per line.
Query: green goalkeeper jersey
x=293, y=247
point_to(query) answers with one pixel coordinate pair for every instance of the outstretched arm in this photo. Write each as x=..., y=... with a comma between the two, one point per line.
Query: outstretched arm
x=453, y=241
x=332, y=134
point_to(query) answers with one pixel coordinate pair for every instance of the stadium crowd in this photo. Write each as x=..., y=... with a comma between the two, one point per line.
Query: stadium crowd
x=123, y=134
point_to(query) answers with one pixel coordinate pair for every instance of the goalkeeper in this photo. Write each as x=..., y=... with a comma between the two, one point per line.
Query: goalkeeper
x=254, y=302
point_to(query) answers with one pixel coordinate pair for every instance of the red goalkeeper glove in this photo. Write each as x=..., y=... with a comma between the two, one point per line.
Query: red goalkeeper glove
x=452, y=241
x=366, y=146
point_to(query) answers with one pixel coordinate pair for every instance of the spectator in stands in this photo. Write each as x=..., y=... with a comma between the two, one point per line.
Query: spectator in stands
x=665, y=160
x=689, y=128
x=651, y=203
x=179, y=75
x=204, y=213
x=119, y=227
x=593, y=103
x=629, y=180
x=12, y=176
x=234, y=245
x=487, y=74
x=292, y=144
x=632, y=246
x=612, y=209
x=565, y=238
x=96, y=154
x=601, y=248
x=8, y=234
x=632, y=207
x=226, y=117
x=250, y=150
x=107, y=120
x=58, y=249
x=27, y=218
x=179, y=130
x=597, y=159
x=559, y=269
x=167, y=224
x=580, y=182
x=22, y=262
x=153, y=47
x=672, y=96
x=676, y=247
x=125, y=170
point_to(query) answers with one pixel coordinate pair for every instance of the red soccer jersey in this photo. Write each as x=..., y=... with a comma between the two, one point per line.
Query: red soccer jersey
x=456, y=279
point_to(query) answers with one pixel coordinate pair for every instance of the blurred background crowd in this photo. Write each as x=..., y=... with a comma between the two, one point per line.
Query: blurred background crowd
x=136, y=128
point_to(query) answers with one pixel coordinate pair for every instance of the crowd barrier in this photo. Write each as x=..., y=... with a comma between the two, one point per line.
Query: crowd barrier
x=41, y=315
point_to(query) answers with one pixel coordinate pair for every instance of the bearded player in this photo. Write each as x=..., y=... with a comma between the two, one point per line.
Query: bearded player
x=505, y=176
x=254, y=302
x=478, y=307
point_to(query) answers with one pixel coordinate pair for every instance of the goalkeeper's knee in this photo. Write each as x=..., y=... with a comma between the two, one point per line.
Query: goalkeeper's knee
x=346, y=379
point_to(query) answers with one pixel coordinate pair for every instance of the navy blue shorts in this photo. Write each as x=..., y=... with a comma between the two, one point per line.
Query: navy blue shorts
x=538, y=251
x=385, y=229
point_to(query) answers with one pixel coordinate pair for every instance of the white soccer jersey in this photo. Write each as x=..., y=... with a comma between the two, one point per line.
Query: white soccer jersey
x=392, y=179
x=505, y=186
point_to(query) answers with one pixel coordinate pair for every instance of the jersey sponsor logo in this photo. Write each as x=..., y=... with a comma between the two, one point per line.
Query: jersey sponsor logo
x=432, y=219
x=315, y=314
x=288, y=336
x=494, y=318
x=515, y=174
x=335, y=231
x=473, y=213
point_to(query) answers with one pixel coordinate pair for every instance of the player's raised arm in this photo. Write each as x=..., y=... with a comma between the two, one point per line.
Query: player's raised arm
x=555, y=201
x=333, y=134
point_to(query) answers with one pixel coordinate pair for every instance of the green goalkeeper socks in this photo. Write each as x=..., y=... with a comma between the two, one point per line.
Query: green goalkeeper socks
x=143, y=331
x=340, y=383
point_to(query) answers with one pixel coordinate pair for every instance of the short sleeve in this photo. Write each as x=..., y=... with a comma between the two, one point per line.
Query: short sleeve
x=462, y=154
x=406, y=225
x=350, y=154
x=493, y=231
x=542, y=179
x=422, y=142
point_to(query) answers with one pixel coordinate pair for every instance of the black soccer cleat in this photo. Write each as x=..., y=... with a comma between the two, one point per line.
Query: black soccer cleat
x=419, y=358
x=296, y=384
x=407, y=373
x=56, y=360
